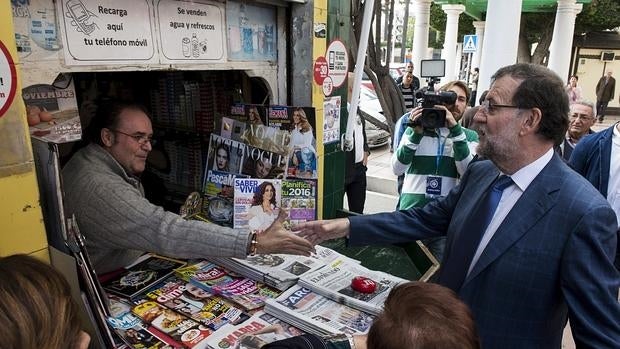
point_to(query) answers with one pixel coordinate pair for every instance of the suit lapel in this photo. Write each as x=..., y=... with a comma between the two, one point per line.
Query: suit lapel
x=537, y=199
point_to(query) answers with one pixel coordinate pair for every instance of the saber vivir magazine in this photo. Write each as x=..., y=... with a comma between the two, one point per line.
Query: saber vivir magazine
x=256, y=202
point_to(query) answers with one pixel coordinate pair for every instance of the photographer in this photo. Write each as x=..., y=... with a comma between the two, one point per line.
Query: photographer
x=434, y=153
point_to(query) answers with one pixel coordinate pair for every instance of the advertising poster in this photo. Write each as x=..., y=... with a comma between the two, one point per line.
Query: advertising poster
x=251, y=32
x=331, y=120
x=36, y=32
x=52, y=112
x=190, y=31
x=97, y=31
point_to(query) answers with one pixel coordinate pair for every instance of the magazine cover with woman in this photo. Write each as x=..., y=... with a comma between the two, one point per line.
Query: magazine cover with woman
x=257, y=202
x=225, y=155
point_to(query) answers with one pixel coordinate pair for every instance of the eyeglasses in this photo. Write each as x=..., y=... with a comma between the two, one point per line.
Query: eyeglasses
x=582, y=117
x=140, y=139
x=491, y=109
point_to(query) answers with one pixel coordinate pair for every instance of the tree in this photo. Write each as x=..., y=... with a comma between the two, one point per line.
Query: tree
x=389, y=94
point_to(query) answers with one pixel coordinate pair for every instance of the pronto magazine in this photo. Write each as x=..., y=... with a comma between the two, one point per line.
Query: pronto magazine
x=260, y=328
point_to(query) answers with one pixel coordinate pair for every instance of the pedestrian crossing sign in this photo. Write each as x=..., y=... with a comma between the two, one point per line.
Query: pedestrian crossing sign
x=470, y=43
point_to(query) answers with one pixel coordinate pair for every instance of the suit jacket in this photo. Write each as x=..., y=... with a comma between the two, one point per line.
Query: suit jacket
x=591, y=158
x=605, y=93
x=551, y=258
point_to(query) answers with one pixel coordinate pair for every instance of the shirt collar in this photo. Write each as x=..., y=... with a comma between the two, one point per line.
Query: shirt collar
x=526, y=175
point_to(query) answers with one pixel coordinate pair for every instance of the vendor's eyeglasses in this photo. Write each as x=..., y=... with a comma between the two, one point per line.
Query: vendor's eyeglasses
x=141, y=139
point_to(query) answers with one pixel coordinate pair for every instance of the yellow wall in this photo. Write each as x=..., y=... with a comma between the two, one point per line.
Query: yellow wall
x=21, y=220
x=318, y=49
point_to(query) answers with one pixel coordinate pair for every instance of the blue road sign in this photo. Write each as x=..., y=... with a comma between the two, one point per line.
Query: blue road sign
x=470, y=43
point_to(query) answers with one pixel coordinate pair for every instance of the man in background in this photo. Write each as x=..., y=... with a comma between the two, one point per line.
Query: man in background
x=605, y=89
x=434, y=155
x=356, y=162
x=582, y=118
x=409, y=69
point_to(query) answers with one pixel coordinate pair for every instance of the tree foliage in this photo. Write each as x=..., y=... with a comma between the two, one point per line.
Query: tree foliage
x=537, y=28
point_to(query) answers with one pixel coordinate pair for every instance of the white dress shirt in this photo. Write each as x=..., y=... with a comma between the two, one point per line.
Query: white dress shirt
x=613, y=185
x=510, y=196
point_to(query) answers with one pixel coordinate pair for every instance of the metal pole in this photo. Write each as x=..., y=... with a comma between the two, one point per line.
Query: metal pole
x=347, y=145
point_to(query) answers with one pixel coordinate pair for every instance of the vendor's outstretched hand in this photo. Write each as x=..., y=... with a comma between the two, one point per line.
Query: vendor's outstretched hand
x=276, y=239
x=319, y=231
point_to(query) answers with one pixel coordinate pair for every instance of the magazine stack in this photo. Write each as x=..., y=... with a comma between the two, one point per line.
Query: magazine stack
x=335, y=279
x=214, y=279
x=281, y=271
x=259, y=330
x=317, y=314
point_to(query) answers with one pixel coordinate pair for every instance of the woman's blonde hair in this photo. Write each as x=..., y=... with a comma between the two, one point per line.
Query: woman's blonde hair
x=304, y=125
x=36, y=308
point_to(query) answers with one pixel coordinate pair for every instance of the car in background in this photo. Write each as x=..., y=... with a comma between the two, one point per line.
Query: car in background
x=369, y=107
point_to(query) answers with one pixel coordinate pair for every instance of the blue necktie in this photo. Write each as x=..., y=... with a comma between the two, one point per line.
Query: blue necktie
x=456, y=265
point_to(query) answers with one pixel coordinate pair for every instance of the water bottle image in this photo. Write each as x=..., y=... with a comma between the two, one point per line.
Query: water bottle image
x=195, y=46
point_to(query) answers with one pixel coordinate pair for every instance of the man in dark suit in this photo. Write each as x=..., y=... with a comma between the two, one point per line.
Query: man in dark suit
x=605, y=89
x=546, y=254
x=592, y=159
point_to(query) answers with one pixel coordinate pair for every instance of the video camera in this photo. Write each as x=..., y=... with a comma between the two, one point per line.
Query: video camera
x=432, y=117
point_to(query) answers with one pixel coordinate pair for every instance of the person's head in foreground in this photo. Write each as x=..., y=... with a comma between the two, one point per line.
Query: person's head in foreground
x=420, y=315
x=36, y=308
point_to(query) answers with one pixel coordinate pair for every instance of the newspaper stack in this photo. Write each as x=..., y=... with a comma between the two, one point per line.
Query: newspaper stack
x=316, y=314
x=334, y=282
x=282, y=271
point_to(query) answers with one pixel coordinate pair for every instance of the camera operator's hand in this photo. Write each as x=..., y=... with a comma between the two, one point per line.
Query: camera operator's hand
x=450, y=120
x=413, y=116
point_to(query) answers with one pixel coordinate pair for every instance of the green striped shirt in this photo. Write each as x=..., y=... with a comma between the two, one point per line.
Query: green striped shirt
x=417, y=157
